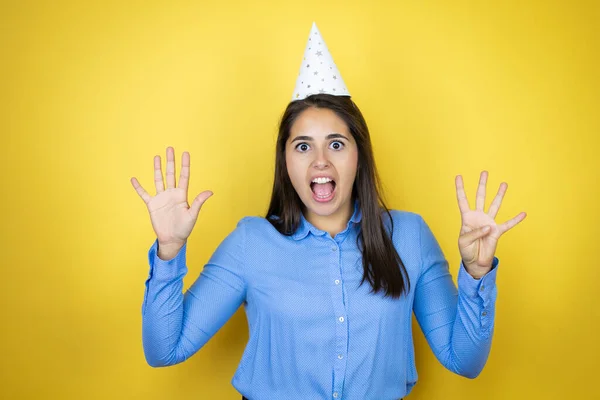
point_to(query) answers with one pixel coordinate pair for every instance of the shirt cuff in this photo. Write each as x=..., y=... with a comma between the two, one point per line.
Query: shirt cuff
x=483, y=287
x=482, y=292
x=166, y=269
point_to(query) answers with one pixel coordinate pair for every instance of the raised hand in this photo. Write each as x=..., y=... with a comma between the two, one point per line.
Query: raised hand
x=479, y=233
x=171, y=216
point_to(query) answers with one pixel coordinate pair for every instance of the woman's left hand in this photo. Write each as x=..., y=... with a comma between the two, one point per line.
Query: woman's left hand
x=478, y=246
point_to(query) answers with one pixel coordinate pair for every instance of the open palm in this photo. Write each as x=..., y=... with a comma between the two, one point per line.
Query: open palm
x=478, y=246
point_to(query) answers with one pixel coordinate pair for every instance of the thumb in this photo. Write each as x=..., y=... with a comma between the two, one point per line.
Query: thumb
x=470, y=237
x=198, y=202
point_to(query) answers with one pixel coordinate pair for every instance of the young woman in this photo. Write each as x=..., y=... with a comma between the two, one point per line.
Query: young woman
x=329, y=278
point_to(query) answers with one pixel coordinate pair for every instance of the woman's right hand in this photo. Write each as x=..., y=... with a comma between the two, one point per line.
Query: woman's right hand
x=171, y=216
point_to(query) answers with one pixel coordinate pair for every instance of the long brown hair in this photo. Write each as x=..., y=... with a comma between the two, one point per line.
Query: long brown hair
x=382, y=265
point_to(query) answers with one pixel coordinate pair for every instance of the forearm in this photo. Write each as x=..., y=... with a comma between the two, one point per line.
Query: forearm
x=474, y=324
x=471, y=339
x=163, y=309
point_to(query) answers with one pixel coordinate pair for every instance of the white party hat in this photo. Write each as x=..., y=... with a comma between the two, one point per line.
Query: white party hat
x=318, y=72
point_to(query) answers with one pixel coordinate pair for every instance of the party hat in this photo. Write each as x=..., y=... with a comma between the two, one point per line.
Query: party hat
x=318, y=72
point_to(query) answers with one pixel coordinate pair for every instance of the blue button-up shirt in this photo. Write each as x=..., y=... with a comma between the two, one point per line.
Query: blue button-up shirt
x=314, y=333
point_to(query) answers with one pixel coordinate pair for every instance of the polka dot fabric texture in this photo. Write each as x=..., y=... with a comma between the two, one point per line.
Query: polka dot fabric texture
x=315, y=332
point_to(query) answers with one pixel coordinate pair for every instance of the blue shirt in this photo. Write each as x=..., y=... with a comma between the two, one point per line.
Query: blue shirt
x=314, y=333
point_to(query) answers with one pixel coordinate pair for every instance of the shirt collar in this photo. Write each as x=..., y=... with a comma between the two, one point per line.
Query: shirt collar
x=305, y=227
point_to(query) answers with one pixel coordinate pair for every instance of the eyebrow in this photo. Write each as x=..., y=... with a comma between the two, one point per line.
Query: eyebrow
x=330, y=136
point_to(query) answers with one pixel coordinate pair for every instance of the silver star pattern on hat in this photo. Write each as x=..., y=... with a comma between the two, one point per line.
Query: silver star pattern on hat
x=318, y=72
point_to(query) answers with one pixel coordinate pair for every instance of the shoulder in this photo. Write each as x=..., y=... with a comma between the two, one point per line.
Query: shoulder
x=403, y=221
x=413, y=238
x=409, y=227
x=249, y=231
x=253, y=221
x=256, y=225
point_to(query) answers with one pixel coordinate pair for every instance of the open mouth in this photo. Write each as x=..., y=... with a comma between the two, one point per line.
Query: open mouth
x=323, y=191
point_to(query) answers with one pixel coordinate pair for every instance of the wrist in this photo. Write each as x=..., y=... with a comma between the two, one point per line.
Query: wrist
x=476, y=271
x=168, y=251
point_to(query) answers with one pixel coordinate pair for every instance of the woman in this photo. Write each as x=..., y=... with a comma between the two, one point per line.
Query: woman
x=329, y=278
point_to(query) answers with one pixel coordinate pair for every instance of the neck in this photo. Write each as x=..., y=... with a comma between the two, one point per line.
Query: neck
x=334, y=223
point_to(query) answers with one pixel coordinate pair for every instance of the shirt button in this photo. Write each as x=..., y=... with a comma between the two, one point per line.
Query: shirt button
x=340, y=356
x=333, y=248
x=481, y=289
x=341, y=319
x=484, y=313
x=335, y=394
x=337, y=281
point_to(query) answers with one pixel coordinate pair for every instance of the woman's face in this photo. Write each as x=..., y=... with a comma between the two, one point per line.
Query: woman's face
x=322, y=157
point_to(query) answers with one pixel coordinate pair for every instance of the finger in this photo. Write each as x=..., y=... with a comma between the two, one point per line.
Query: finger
x=140, y=190
x=170, y=168
x=184, y=175
x=470, y=237
x=463, y=203
x=199, y=201
x=158, y=177
x=495, y=206
x=480, y=201
x=511, y=223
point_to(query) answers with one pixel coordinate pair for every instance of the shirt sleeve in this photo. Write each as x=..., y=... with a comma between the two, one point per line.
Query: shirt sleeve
x=177, y=325
x=457, y=323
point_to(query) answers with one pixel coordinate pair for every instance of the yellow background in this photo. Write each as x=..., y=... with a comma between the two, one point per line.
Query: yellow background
x=91, y=91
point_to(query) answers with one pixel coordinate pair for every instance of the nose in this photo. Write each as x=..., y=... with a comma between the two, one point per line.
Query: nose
x=321, y=161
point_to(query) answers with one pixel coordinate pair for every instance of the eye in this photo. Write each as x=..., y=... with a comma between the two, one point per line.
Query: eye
x=337, y=145
x=302, y=147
